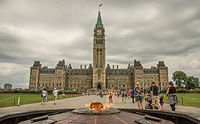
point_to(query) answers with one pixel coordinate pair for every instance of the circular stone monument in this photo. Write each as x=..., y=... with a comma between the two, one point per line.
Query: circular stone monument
x=96, y=108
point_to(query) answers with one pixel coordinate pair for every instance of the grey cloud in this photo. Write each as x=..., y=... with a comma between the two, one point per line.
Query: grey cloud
x=51, y=30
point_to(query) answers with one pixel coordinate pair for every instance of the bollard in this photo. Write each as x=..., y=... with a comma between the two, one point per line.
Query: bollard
x=18, y=101
x=182, y=100
x=14, y=101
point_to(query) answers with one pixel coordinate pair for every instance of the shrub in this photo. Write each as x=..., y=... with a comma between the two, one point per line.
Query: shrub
x=181, y=91
x=163, y=91
x=193, y=91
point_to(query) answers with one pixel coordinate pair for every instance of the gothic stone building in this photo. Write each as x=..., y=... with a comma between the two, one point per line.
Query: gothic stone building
x=99, y=75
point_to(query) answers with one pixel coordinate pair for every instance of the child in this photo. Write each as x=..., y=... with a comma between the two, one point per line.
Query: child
x=161, y=102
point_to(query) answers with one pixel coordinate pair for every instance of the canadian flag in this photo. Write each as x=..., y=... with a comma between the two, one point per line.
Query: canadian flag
x=100, y=5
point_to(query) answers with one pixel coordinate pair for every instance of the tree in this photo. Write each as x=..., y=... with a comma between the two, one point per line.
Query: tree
x=192, y=82
x=180, y=78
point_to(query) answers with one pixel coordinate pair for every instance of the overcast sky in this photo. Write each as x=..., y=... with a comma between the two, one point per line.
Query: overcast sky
x=52, y=30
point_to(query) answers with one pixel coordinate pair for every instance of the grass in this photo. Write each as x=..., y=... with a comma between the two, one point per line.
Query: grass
x=188, y=99
x=25, y=99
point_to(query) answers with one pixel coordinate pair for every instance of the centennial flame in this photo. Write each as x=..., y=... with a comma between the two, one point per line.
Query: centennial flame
x=96, y=105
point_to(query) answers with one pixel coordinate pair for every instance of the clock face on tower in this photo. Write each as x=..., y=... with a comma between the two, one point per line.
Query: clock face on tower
x=98, y=32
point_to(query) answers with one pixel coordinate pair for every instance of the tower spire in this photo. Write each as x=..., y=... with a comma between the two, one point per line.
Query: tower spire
x=99, y=21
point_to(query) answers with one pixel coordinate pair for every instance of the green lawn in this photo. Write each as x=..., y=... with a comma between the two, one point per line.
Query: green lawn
x=188, y=99
x=25, y=99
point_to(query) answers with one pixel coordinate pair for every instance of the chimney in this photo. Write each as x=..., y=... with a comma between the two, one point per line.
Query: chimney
x=80, y=66
x=85, y=66
x=117, y=66
x=113, y=66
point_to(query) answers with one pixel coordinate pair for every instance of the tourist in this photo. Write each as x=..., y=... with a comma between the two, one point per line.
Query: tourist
x=101, y=94
x=139, y=95
x=122, y=94
x=161, y=102
x=132, y=95
x=55, y=94
x=125, y=94
x=129, y=95
x=110, y=97
x=171, y=93
x=44, y=96
x=154, y=94
x=118, y=93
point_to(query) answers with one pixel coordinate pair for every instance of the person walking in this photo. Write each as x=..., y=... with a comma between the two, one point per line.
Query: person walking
x=139, y=95
x=125, y=94
x=118, y=93
x=132, y=95
x=122, y=94
x=55, y=95
x=129, y=95
x=171, y=93
x=161, y=102
x=44, y=96
x=110, y=97
x=154, y=94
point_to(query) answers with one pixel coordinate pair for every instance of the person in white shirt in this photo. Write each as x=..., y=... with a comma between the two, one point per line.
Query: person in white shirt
x=55, y=94
x=44, y=96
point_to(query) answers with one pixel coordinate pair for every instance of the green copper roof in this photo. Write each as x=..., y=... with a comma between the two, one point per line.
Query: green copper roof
x=90, y=66
x=99, y=22
x=108, y=66
x=70, y=66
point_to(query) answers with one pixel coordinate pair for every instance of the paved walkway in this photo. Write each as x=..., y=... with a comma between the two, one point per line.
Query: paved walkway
x=79, y=102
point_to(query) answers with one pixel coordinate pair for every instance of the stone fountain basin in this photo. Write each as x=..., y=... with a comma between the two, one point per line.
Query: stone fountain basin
x=96, y=112
x=69, y=115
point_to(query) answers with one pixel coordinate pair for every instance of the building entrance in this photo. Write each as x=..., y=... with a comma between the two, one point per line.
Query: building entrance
x=99, y=86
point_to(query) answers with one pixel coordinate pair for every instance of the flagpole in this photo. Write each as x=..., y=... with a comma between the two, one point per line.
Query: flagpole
x=99, y=8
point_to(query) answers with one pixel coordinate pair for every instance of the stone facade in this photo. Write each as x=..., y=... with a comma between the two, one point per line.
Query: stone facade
x=99, y=75
x=7, y=87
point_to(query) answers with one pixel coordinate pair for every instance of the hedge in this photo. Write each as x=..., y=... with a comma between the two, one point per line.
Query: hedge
x=182, y=91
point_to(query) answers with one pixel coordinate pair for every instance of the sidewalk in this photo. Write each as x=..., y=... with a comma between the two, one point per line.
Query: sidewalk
x=79, y=102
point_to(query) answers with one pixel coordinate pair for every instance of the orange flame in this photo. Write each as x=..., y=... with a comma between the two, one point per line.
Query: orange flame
x=87, y=105
x=96, y=105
